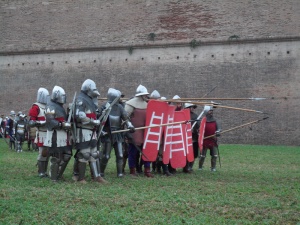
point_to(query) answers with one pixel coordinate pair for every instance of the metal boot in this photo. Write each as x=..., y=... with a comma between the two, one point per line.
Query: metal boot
x=213, y=164
x=54, y=168
x=201, y=162
x=96, y=173
x=81, y=172
x=42, y=168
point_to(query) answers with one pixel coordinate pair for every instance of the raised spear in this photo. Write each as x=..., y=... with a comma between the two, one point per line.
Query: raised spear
x=237, y=127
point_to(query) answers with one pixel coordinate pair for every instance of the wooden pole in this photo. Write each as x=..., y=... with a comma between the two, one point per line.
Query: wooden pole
x=237, y=127
x=141, y=128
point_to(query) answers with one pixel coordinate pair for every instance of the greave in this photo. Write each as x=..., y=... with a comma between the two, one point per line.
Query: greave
x=201, y=162
x=62, y=169
x=213, y=162
x=94, y=169
x=42, y=168
x=54, y=167
x=191, y=164
x=102, y=167
x=120, y=168
x=81, y=170
x=75, y=167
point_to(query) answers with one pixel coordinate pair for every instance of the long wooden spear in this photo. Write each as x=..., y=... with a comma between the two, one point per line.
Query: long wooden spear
x=159, y=125
x=237, y=127
x=215, y=105
x=237, y=99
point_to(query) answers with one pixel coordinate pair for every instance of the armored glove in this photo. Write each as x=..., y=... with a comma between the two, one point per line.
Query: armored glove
x=218, y=133
x=130, y=127
x=66, y=125
x=95, y=122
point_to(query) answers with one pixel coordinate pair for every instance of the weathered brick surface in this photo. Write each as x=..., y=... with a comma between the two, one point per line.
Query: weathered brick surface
x=44, y=24
x=272, y=71
x=258, y=69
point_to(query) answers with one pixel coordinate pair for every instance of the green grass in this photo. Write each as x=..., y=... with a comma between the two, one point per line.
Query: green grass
x=255, y=185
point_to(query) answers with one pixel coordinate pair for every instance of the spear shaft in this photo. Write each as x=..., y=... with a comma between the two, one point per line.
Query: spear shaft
x=237, y=127
x=238, y=99
x=159, y=125
x=214, y=105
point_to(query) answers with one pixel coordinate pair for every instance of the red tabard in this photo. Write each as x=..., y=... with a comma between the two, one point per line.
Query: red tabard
x=210, y=129
x=138, y=120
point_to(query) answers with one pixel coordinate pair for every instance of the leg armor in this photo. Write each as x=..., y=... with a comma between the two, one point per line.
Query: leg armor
x=214, y=157
x=64, y=162
x=125, y=155
x=54, y=167
x=202, y=158
x=104, y=156
x=81, y=171
x=96, y=173
x=165, y=169
x=42, y=161
x=119, y=158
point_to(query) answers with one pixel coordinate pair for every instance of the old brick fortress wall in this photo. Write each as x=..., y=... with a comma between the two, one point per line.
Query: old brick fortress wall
x=47, y=43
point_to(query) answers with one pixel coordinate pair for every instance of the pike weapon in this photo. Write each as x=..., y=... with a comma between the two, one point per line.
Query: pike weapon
x=210, y=91
x=72, y=114
x=105, y=114
x=158, y=125
x=216, y=105
x=237, y=127
x=236, y=99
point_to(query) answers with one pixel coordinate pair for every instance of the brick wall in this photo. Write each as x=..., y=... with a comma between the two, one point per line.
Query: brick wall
x=45, y=43
x=43, y=24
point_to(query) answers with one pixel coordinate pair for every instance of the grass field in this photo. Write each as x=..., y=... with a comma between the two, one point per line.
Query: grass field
x=255, y=185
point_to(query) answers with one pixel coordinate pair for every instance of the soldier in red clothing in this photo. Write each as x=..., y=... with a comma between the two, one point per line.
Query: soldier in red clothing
x=37, y=119
x=212, y=127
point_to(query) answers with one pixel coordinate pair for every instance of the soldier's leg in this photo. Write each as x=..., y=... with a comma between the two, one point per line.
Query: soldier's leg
x=105, y=155
x=125, y=155
x=75, y=167
x=196, y=152
x=83, y=157
x=54, y=166
x=66, y=156
x=214, y=157
x=132, y=159
x=119, y=158
x=202, y=158
x=42, y=161
x=94, y=167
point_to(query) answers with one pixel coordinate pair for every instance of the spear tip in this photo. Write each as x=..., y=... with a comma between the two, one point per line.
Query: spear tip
x=257, y=99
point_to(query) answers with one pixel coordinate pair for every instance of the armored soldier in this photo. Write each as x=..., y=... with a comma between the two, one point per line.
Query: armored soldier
x=178, y=105
x=189, y=166
x=10, y=131
x=212, y=127
x=20, y=129
x=117, y=116
x=57, y=138
x=86, y=131
x=37, y=120
x=136, y=109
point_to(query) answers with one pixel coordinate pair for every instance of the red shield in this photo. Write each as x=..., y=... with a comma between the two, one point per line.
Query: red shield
x=156, y=114
x=188, y=139
x=201, y=133
x=178, y=146
x=168, y=131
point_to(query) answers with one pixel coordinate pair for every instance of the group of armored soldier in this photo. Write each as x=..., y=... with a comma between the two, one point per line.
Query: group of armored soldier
x=89, y=129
